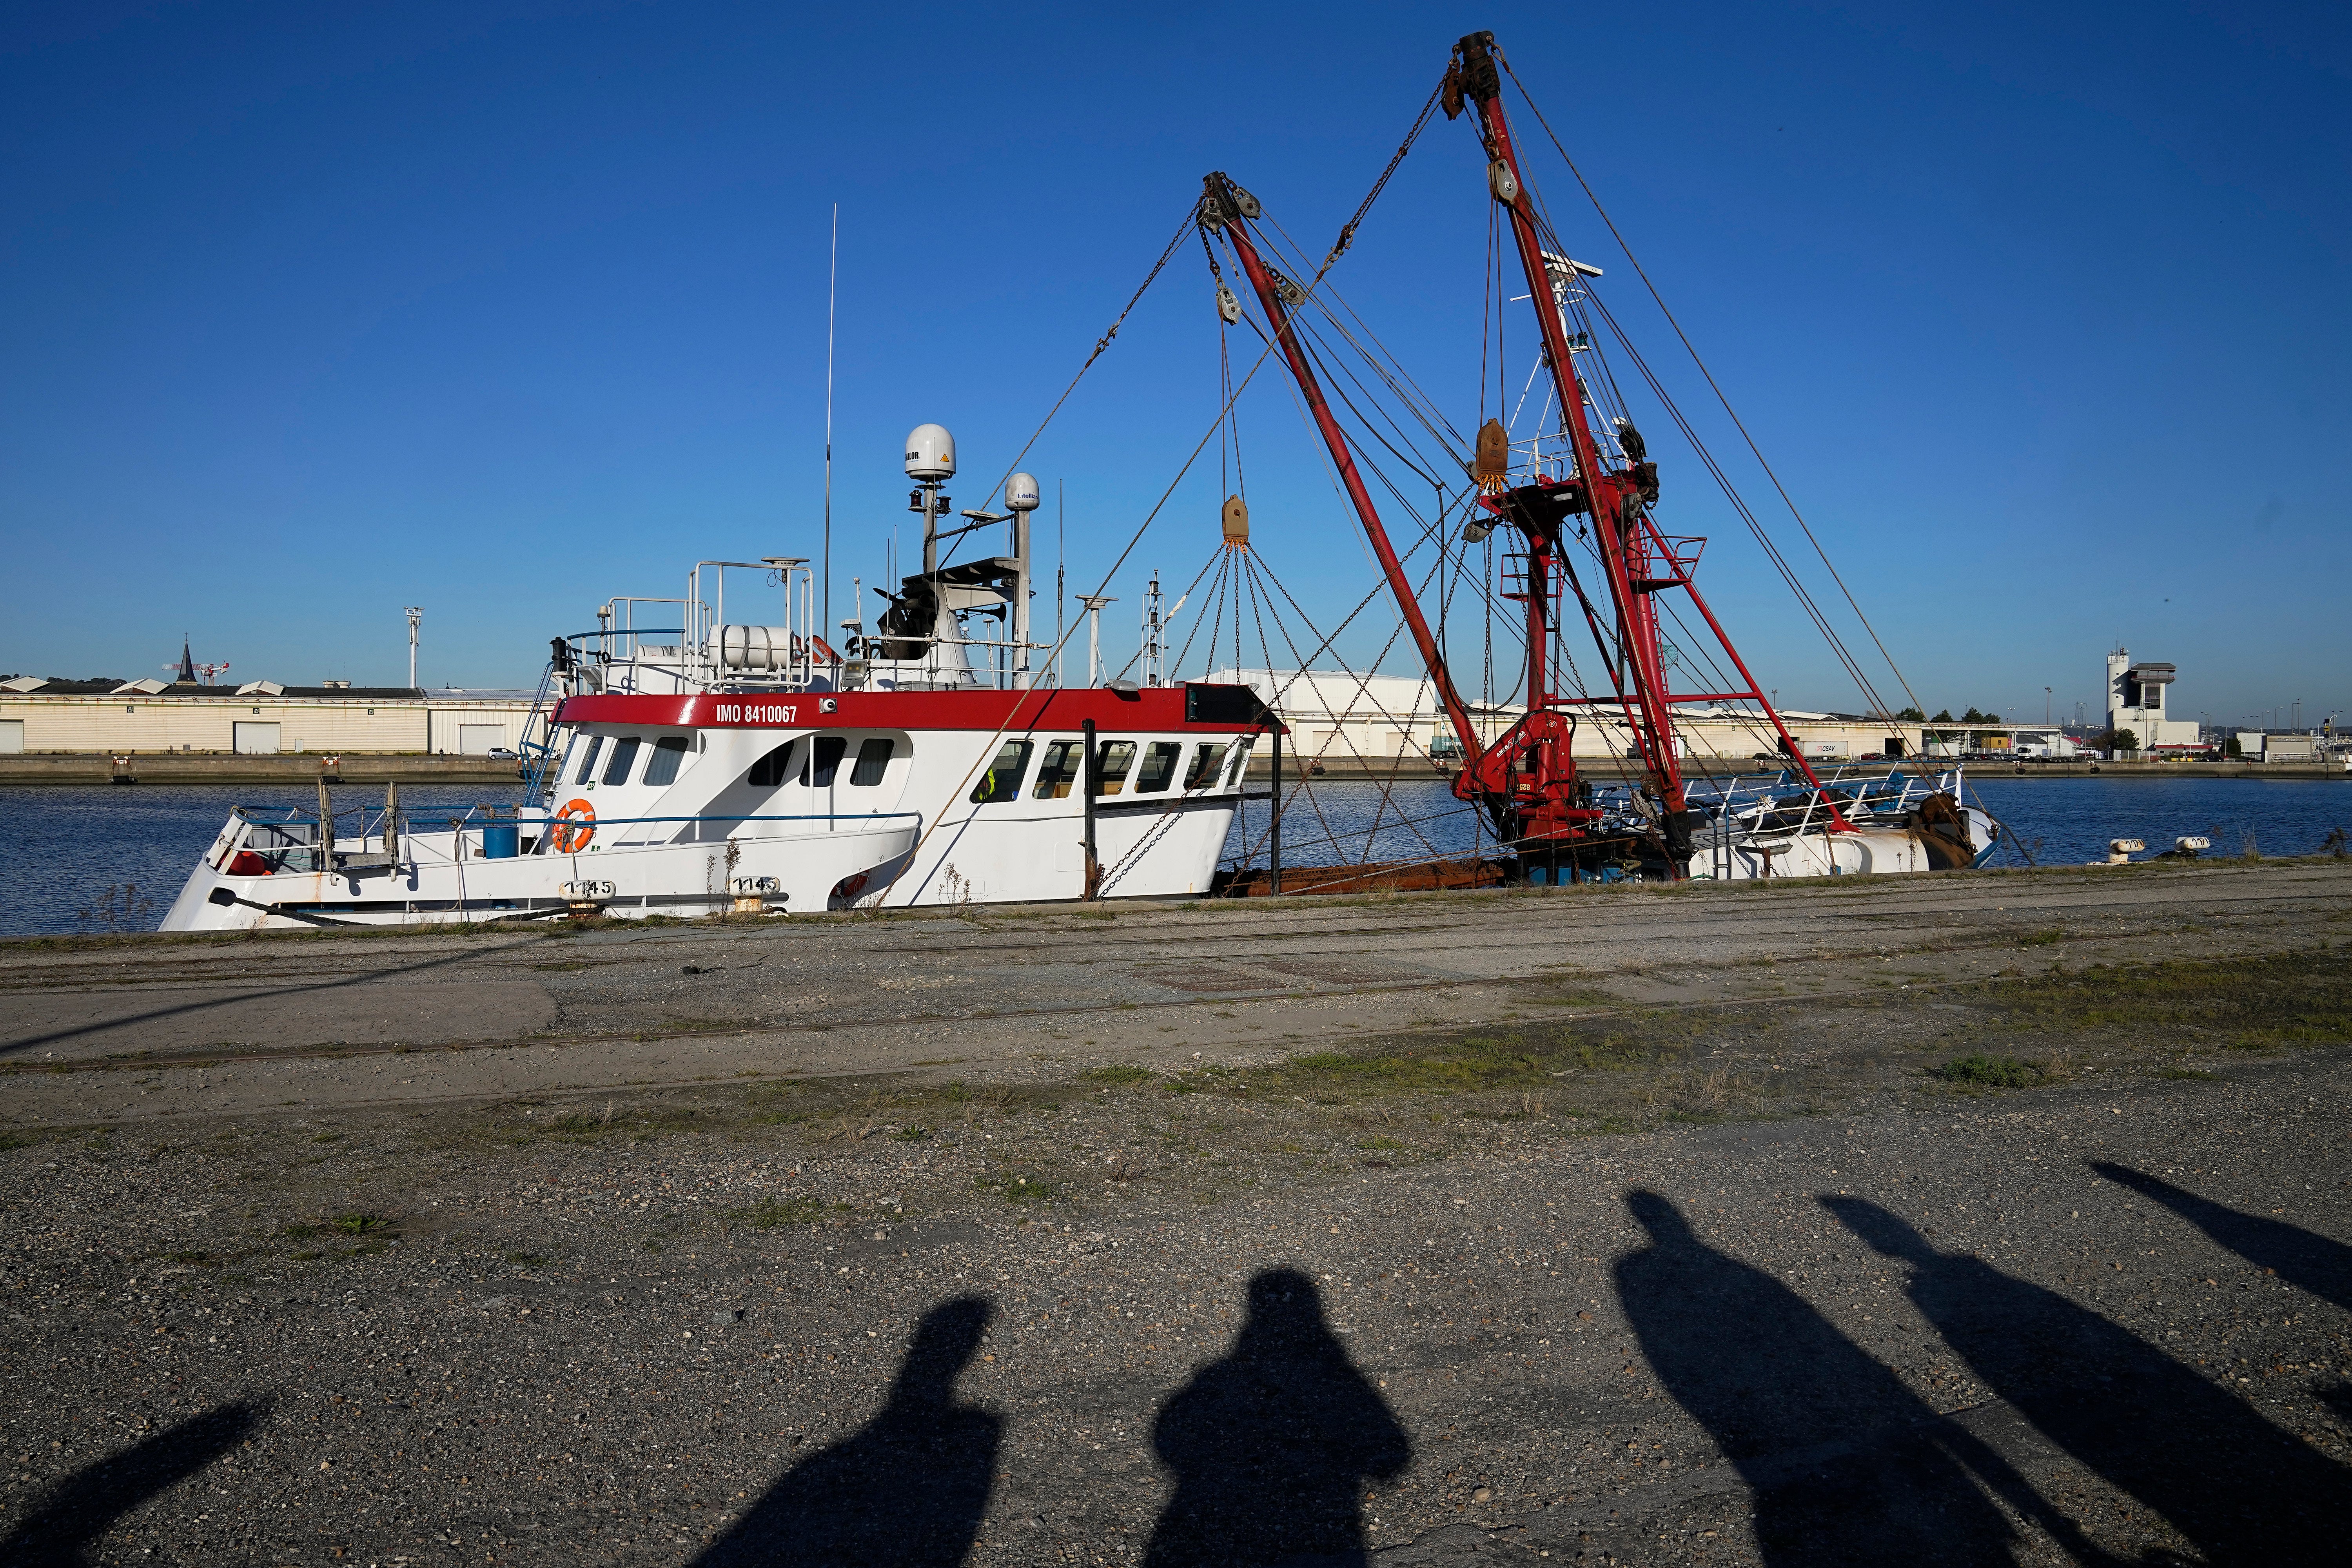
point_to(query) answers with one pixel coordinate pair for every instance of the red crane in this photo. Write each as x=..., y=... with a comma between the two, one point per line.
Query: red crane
x=1527, y=778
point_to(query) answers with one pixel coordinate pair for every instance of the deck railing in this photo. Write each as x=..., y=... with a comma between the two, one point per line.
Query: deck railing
x=287, y=838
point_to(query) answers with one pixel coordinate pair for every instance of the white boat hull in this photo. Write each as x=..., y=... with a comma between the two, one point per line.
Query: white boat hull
x=659, y=807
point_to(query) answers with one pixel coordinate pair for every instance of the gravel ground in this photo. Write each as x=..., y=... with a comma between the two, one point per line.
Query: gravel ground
x=1771, y=1281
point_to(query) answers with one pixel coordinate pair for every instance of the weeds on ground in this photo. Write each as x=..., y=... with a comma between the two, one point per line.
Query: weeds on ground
x=1979, y=1073
x=1017, y=1187
x=372, y=1232
x=774, y=1214
x=2254, y=1003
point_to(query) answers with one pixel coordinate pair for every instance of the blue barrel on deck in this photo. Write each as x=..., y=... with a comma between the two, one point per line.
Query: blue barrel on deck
x=501, y=840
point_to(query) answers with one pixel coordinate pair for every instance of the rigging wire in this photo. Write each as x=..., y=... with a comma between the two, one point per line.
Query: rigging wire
x=1191, y=221
x=1641, y=273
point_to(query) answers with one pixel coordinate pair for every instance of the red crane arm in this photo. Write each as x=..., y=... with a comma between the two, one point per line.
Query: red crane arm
x=1225, y=207
x=1605, y=495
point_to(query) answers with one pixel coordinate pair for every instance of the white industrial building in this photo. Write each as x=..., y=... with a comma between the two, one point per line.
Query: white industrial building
x=1338, y=717
x=2137, y=695
x=259, y=718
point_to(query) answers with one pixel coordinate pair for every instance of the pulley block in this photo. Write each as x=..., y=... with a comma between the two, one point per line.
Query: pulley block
x=1490, y=463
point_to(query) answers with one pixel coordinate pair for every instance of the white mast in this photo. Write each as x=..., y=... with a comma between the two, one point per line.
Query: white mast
x=1094, y=604
x=414, y=613
x=1021, y=496
x=832, y=280
x=1061, y=518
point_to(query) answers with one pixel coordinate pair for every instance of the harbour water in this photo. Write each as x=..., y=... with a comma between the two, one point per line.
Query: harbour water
x=96, y=859
x=2058, y=821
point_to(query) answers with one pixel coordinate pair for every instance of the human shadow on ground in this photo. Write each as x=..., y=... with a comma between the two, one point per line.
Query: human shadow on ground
x=86, y=1505
x=2239, y=1488
x=1271, y=1444
x=1845, y=1463
x=908, y=1490
x=2314, y=1262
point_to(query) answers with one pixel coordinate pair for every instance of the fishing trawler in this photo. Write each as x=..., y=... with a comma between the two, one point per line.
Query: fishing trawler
x=718, y=766
x=742, y=765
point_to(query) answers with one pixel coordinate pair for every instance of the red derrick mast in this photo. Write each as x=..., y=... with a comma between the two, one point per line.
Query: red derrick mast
x=1527, y=779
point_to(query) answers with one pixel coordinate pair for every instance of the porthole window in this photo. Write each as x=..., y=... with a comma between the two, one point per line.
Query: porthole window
x=1060, y=767
x=772, y=769
x=1159, y=767
x=1001, y=782
x=669, y=751
x=873, y=762
x=827, y=752
x=1112, y=759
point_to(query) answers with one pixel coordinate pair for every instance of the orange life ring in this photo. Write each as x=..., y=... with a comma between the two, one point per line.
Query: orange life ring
x=574, y=825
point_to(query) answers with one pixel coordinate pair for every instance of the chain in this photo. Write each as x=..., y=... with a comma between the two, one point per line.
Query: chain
x=1348, y=230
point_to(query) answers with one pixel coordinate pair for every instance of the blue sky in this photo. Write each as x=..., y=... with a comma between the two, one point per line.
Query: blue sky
x=314, y=311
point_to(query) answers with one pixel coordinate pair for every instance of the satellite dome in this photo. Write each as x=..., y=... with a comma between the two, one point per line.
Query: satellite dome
x=931, y=453
x=1020, y=492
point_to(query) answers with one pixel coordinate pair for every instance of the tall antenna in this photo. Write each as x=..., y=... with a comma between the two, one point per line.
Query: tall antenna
x=1061, y=516
x=832, y=282
x=414, y=613
x=1153, y=619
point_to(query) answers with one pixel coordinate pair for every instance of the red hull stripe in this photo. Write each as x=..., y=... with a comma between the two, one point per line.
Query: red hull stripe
x=1158, y=709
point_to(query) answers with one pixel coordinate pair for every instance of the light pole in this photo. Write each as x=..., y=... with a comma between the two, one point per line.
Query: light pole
x=415, y=613
x=2046, y=708
x=1094, y=604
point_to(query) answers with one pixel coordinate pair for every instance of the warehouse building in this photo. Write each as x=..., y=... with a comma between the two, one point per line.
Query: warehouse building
x=1335, y=716
x=259, y=718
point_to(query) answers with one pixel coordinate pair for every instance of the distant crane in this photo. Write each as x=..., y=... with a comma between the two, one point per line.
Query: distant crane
x=187, y=669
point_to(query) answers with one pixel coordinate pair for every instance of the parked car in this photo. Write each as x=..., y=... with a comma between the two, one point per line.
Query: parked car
x=503, y=754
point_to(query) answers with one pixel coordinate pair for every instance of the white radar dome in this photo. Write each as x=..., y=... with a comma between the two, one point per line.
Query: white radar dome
x=931, y=453
x=1020, y=492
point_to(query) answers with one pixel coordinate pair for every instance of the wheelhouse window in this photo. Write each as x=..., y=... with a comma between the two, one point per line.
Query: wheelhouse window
x=772, y=769
x=1112, y=759
x=624, y=757
x=1240, y=753
x=588, y=759
x=1203, y=771
x=1001, y=782
x=669, y=754
x=1159, y=761
x=873, y=762
x=1059, y=770
x=826, y=754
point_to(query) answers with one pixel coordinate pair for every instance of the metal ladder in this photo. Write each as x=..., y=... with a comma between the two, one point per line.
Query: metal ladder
x=537, y=744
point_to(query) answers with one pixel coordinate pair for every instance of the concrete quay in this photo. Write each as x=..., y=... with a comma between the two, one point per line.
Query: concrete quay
x=1997, y=1218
